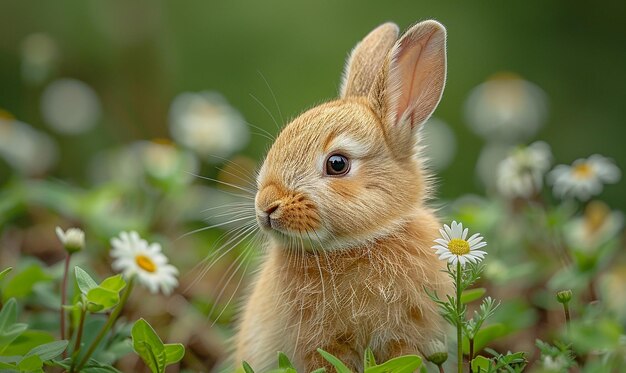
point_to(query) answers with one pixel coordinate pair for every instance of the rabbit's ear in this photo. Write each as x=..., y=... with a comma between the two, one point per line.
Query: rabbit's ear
x=410, y=84
x=366, y=60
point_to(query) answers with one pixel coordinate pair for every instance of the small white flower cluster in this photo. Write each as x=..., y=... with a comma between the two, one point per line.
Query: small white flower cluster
x=521, y=174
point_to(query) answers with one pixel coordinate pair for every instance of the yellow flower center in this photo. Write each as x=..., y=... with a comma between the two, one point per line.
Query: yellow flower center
x=458, y=246
x=583, y=171
x=145, y=263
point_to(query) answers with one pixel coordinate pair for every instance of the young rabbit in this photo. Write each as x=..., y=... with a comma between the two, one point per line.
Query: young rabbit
x=341, y=196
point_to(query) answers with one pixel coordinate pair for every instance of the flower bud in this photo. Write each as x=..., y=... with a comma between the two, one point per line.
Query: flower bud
x=436, y=352
x=564, y=296
x=73, y=239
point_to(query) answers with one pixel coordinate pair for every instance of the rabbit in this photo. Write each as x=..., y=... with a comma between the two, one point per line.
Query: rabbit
x=342, y=199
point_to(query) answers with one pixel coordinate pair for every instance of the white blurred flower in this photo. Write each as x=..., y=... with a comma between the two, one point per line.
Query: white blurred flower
x=207, y=124
x=454, y=246
x=133, y=256
x=72, y=239
x=158, y=159
x=490, y=157
x=598, y=225
x=162, y=160
x=70, y=106
x=24, y=148
x=521, y=173
x=555, y=364
x=506, y=108
x=584, y=178
x=439, y=143
x=39, y=57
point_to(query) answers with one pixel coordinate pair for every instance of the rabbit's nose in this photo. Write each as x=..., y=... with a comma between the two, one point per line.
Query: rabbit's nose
x=271, y=209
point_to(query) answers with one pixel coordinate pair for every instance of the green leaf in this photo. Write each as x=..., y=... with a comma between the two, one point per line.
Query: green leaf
x=92, y=366
x=28, y=340
x=174, y=353
x=484, y=336
x=401, y=364
x=148, y=346
x=283, y=361
x=5, y=272
x=339, y=366
x=471, y=295
x=103, y=299
x=9, y=329
x=10, y=359
x=22, y=283
x=10, y=334
x=48, y=351
x=84, y=281
x=7, y=366
x=8, y=314
x=32, y=363
x=114, y=283
x=319, y=370
x=481, y=364
x=246, y=367
x=368, y=358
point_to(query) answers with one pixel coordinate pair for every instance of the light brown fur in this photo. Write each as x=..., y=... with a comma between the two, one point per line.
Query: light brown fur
x=349, y=257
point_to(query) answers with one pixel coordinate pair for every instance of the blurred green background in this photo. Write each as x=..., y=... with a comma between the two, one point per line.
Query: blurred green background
x=139, y=55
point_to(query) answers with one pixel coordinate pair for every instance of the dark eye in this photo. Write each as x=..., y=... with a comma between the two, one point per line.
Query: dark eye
x=337, y=165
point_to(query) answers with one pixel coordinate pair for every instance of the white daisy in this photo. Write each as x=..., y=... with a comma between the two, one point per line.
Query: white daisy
x=133, y=256
x=455, y=247
x=72, y=239
x=584, y=178
x=521, y=173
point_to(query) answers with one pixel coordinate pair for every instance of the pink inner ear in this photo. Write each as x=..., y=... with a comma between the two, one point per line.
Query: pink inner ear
x=419, y=74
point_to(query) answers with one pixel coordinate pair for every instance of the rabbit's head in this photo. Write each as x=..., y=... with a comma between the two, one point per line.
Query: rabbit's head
x=349, y=171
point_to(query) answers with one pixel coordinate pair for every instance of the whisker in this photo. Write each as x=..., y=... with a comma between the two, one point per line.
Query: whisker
x=224, y=183
x=244, y=178
x=215, y=226
x=240, y=238
x=208, y=261
x=247, y=252
x=266, y=110
x=228, y=205
x=273, y=96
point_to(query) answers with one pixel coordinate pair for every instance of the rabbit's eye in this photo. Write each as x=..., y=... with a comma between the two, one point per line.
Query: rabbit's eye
x=337, y=165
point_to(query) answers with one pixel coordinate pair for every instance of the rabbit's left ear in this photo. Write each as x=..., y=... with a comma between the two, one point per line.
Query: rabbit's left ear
x=410, y=84
x=366, y=60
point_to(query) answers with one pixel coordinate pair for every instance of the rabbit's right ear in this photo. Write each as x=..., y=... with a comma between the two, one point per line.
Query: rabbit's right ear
x=366, y=60
x=410, y=84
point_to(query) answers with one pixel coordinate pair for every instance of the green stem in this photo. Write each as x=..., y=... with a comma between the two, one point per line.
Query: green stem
x=567, y=315
x=108, y=325
x=459, y=323
x=79, y=336
x=64, y=296
x=471, y=353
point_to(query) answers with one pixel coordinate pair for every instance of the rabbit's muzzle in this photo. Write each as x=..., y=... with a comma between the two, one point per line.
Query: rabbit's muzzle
x=285, y=211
